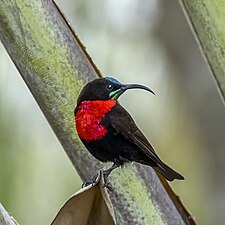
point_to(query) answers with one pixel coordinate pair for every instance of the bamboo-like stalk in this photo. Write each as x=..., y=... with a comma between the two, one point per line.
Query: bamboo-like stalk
x=5, y=218
x=55, y=66
x=206, y=20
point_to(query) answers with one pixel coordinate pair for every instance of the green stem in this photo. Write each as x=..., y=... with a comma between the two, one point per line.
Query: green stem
x=206, y=19
x=55, y=66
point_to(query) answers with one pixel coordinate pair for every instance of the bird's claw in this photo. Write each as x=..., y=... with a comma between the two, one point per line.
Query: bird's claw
x=90, y=182
x=106, y=185
x=94, y=182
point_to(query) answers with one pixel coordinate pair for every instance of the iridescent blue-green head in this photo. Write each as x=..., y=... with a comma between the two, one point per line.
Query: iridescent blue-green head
x=105, y=89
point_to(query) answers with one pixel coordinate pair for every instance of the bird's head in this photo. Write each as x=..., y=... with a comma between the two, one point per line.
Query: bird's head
x=105, y=89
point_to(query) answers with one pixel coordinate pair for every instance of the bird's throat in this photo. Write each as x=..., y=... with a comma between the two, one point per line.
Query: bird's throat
x=89, y=116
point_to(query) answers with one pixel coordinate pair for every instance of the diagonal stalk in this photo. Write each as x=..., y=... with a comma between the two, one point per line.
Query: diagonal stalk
x=55, y=66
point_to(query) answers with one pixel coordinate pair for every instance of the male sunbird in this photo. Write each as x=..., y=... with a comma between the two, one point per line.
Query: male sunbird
x=108, y=131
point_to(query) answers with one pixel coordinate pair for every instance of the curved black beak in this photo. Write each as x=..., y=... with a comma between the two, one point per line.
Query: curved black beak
x=116, y=94
x=137, y=86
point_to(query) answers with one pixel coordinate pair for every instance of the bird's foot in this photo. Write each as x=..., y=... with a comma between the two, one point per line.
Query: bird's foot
x=105, y=180
x=108, y=186
x=93, y=182
x=105, y=174
x=90, y=182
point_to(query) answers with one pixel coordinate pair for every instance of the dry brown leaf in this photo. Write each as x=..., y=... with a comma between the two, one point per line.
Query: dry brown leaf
x=89, y=206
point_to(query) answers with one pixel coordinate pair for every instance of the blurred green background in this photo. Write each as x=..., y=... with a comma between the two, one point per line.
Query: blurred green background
x=148, y=42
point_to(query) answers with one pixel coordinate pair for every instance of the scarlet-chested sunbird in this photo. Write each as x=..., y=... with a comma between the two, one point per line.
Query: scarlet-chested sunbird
x=108, y=131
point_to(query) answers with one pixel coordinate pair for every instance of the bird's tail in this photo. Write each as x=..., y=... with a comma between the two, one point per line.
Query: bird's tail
x=168, y=172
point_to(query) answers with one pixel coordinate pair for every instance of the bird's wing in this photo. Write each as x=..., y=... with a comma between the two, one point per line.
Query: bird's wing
x=123, y=123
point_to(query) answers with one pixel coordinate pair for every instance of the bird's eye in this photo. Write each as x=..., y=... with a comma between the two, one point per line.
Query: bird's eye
x=109, y=87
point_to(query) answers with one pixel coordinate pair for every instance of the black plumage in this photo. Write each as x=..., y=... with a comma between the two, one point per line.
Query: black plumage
x=123, y=142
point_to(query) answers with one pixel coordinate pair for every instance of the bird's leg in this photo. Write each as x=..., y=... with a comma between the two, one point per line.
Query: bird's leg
x=107, y=172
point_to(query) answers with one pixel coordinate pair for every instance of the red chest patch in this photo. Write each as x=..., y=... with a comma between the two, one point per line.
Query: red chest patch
x=89, y=116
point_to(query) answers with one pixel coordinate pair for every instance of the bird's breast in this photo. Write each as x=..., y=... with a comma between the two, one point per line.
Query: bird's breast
x=88, y=118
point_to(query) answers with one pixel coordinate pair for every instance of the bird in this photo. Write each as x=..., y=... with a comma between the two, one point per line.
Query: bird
x=109, y=132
